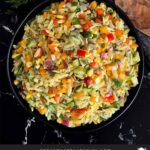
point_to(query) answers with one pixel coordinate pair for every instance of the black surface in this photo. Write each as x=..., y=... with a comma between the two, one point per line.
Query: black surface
x=132, y=127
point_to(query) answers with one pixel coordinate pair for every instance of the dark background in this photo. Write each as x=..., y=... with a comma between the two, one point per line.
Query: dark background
x=19, y=127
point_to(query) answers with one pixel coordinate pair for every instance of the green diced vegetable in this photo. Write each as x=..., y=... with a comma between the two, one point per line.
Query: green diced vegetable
x=89, y=34
x=134, y=81
x=79, y=71
x=116, y=104
x=17, y=57
x=20, y=69
x=103, y=45
x=117, y=83
x=31, y=43
x=105, y=106
x=74, y=4
x=136, y=58
x=110, y=10
x=75, y=63
x=75, y=21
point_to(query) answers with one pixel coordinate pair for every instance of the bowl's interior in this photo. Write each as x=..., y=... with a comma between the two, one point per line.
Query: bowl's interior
x=87, y=128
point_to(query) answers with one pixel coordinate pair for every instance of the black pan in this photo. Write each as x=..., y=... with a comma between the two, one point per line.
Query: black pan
x=87, y=128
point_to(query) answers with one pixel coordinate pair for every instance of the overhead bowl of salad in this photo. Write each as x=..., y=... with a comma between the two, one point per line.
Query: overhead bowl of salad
x=77, y=63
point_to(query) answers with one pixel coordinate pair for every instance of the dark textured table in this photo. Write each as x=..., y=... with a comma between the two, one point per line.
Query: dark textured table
x=19, y=127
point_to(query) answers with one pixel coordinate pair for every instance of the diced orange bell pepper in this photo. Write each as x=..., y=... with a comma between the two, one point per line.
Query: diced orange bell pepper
x=134, y=45
x=93, y=4
x=118, y=33
x=68, y=24
x=28, y=57
x=57, y=98
x=78, y=112
x=99, y=11
x=42, y=71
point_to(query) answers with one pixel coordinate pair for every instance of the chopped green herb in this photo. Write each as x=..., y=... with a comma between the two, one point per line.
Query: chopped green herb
x=103, y=45
x=117, y=83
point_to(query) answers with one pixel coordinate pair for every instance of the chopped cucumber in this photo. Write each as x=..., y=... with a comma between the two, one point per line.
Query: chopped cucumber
x=75, y=63
x=31, y=43
x=80, y=71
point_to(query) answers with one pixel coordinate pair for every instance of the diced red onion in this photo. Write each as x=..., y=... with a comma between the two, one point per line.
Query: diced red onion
x=65, y=64
x=65, y=122
x=120, y=64
x=104, y=55
x=110, y=92
x=49, y=64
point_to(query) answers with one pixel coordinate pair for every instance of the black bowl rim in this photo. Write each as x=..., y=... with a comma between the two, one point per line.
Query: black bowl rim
x=96, y=127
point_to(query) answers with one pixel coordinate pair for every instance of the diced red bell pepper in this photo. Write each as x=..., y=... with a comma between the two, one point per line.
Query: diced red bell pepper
x=86, y=26
x=71, y=54
x=81, y=53
x=65, y=122
x=89, y=80
x=44, y=32
x=94, y=64
x=55, y=21
x=110, y=37
x=78, y=112
x=99, y=11
x=98, y=20
x=109, y=99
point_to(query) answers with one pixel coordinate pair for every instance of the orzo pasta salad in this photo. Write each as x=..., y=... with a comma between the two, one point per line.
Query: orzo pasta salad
x=76, y=62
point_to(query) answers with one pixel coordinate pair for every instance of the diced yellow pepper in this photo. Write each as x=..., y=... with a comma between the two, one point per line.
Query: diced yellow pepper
x=93, y=4
x=23, y=43
x=134, y=45
x=41, y=43
x=16, y=82
x=42, y=111
x=60, y=5
x=104, y=30
x=19, y=50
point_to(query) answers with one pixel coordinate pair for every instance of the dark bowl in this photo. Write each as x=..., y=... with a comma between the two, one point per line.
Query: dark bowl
x=90, y=127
